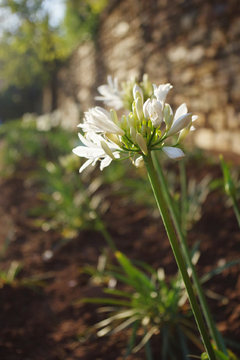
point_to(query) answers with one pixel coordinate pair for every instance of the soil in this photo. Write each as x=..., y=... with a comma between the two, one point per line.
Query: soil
x=45, y=324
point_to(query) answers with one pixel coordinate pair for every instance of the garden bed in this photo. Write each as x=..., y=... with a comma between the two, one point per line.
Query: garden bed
x=44, y=324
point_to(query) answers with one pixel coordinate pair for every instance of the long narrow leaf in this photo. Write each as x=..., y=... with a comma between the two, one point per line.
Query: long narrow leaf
x=125, y=324
x=148, y=350
x=132, y=339
x=183, y=343
x=132, y=271
x=104, y=301
x=118, y=293
x=218, y=270
x=165, y=340
x=146, y=338
x=119, y=316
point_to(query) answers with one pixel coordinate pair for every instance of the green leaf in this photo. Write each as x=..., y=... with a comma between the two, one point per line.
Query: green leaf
x=228, y=183
x=118, y=293
x=133, y=272
x=218, y=270
x=104, y=301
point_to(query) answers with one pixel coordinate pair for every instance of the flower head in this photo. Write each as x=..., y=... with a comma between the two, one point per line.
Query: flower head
x=146, y=127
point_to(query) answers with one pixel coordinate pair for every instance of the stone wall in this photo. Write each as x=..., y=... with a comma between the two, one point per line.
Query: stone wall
x=193, y=44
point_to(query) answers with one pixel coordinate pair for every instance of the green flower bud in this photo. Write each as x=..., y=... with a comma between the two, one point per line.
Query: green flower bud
x=141, y=143
x=139, y=108
x=107, y=150
x=114, y=116
x=133, y=134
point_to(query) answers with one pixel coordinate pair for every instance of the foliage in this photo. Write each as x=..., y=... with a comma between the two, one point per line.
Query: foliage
x=24, y=142
x=67, y=206
x=10, y=277
x=149, y=304
x=220, y=355
x=81, y=20
x=68, y=203
x=32, y=49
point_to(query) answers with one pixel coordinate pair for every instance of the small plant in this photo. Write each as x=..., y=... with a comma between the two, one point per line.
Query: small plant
x=66, y=208
x=10, y=277
x=149, y=305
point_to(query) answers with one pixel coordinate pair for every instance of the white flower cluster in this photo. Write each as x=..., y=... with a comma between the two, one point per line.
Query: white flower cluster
x=144, y=129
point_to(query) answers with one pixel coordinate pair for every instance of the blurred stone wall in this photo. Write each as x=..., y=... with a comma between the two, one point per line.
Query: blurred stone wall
x=193, y=44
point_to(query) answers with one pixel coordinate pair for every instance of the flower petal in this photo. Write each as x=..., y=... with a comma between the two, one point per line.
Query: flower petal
x=86, y=164
x=180, y=124
x=161, y=91
x=181, y=110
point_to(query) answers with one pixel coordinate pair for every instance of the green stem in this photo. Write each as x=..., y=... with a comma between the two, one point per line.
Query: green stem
x=207, y=314
x=177, y=253
x=154, y=131
x=184, y=201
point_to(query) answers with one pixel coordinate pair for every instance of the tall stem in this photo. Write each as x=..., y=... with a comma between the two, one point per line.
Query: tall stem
x=216, y=336
x=177, y=253
x=184, y=202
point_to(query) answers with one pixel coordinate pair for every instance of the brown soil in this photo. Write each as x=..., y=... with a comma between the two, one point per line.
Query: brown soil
x=43, y=325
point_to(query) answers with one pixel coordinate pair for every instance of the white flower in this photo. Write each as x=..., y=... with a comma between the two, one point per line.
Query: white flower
x=153, y=110
x=173, y=153
x=181, y=120
x=161, y=91
x=111, y=96
x=136, y=89
x=99, y=120
x=93, y=151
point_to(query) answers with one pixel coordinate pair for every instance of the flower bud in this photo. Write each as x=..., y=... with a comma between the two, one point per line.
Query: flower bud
x=141, y=143
x=139, y=108
x=114, y=116
x=173, y=153
x=124, y=120
x=169, y=122
x=133, y=134
x=135, y=112
x=138, y=95
x=114, y=138
x=184, y=133
x=166, y=111
x=131, y=120
x=136, y=89
x=143, y=130
x=180, y=124
x=107, y=150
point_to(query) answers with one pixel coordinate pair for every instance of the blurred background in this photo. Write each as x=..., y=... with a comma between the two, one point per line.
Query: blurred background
x=54, y=54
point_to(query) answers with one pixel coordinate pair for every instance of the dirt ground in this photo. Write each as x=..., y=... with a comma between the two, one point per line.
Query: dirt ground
x=44, y=325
